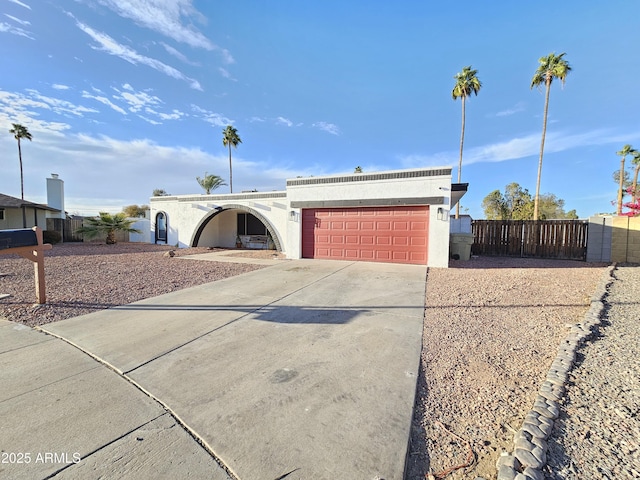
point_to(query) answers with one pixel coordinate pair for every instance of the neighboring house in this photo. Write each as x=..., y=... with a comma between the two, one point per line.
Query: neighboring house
x=399, y=216
x=11, y=213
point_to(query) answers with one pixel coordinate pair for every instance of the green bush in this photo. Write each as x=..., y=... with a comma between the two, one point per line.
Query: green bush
x=51, y=236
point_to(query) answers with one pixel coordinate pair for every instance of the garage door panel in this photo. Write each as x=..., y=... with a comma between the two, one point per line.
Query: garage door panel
x=382, y=234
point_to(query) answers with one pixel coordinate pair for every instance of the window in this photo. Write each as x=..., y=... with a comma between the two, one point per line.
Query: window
x=250, y=225
x=1, y=213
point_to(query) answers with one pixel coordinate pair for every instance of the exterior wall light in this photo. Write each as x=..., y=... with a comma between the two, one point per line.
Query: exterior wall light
x=292, y=215
x=442, y=214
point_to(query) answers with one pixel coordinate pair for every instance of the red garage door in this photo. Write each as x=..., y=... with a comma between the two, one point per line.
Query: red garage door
x=375, y=234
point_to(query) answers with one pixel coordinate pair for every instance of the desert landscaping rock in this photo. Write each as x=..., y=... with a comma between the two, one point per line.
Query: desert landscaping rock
x=596, y=434
x=82, y=278
x=493, y=327
x=506, y=341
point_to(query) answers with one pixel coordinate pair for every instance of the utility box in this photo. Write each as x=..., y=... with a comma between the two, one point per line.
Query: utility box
x=17, y=238
x=460, y=246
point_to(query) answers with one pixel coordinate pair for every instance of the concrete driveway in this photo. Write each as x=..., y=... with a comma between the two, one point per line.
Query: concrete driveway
x=303, y=370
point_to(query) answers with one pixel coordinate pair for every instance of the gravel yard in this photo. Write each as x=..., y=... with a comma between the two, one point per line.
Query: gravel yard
x=492, y=327
x=82, y=278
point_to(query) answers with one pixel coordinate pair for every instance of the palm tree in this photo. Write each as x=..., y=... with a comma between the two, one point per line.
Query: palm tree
x=626, y=150
x=230, y=138
x=466, y=83
x=634, y=185
x=108, y=224
x=210, y=182
x=20, y=131
x=552, y=66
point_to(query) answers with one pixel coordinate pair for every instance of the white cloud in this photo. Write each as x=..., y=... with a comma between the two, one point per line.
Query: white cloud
x=164, y=17
x=108, y=45
x=139, y=165
x=518, y=107
x=168, y=17
x=215, y=119
x=24, y=23
x=58, y=86
x=152, y=122
x=225, y=73
x=17, y=2
x=521, y=147
x=21, y=32
x=284, y=121
x=58, y=105
x=174, y=115
x=137, y=101
x=256, y=119
x=327, y=127
x=104, y=100
x=179, y=55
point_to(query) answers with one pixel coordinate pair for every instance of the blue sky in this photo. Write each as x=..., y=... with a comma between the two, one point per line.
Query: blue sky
x=124, y=96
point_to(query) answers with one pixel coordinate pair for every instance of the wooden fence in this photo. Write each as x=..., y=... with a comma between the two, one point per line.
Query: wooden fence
x=565, y=239
x=66, y=227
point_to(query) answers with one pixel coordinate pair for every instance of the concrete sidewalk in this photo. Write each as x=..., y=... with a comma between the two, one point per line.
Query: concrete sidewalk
x=306, y=369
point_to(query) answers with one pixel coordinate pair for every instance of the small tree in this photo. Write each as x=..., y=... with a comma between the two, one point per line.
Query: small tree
x=135, y=210
x=517, y=204
x=210, y=182
x=107, y=224
x=159, y=192
x=358, y=169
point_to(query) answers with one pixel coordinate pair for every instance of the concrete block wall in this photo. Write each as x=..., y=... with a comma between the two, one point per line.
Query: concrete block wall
x=625, y=245
x=599, y=239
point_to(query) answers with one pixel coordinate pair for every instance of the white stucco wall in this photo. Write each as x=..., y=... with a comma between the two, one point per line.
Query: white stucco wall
x=142, y=224
x=431, y=186
x=185, y=213
x=411, y=184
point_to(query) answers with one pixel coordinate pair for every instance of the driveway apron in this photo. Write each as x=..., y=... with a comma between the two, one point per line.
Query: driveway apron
x=305, y=369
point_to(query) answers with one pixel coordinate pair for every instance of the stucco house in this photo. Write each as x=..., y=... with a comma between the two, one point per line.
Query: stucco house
x=399, y=216
x=11, y=213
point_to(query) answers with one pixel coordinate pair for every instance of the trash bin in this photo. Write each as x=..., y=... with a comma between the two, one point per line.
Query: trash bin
x=460, y=245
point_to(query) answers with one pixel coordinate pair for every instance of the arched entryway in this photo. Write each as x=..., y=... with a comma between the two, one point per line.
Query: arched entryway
x=161, y=227
x=233, y=221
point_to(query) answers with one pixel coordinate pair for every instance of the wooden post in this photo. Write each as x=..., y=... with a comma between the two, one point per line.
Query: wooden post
x=35, y=253
x=38, y=268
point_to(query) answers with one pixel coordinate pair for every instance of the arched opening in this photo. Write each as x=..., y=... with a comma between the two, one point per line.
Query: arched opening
x=236, y=222
x=161, y=227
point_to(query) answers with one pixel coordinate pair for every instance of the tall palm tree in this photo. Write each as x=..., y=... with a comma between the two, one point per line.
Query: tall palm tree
x=552, y=66
x=19, y=131
x=467, y=83
x=634, y=185
x=626, y=150
x=210, y=182
x=230, y=138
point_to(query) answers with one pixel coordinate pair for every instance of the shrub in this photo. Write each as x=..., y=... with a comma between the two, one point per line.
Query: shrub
x=51, y=236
